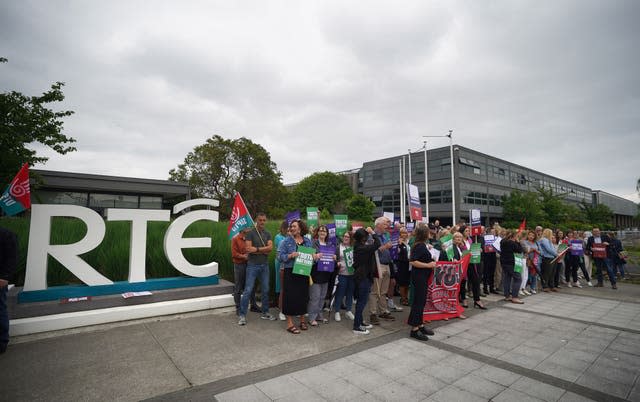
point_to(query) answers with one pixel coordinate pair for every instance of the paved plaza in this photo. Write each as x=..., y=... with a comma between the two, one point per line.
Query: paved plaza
x=576, y=345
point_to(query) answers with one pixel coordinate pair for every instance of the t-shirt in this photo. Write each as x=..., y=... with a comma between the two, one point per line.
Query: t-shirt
x=261, y=240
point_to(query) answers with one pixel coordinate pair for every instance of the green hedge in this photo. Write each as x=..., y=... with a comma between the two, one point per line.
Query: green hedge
x=111, y=257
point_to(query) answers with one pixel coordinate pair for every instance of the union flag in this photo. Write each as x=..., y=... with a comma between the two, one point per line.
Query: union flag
x=17, y=196
x=240, y=217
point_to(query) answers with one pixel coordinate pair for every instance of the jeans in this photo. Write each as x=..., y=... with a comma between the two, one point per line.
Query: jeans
x=363, y=288
x=240, y=279
x=619, y=268
x=604, y=263
x=511, y=281
x=254, y=272
x=346, y=286
x=316, y=298
x=4, y=317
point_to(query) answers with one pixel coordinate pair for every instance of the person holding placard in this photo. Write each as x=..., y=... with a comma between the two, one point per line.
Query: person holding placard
x=533, y=259
x=511, y=272
x=364, y=261
x=489, y=258
x=346, y=282
x=403, y=276
x=320, y=274
x=295, y=287
x=422, y=268
x=454, y=253
x=572, y=260
x=598, y=248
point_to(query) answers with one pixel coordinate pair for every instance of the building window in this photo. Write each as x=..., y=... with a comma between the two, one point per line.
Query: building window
x=113, y=201
x=150, y=202
x=61, y=197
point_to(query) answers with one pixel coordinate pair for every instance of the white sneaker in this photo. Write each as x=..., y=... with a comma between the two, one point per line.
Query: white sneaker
x=337, y=317
x=350, y=315
x=577, y=284
x=242, y=320
x=590, y=284
x=281, y=316
x=361, y=331
x=533, y=291
x=521, y=292
x=569, y=285
x=366, y=325
x=526, y=292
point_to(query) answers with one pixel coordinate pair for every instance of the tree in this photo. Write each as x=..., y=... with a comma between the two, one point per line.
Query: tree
x=360, y=207
x=522, y=205
x=324, y=190
x=25, y=120
x=220, y=167
x=598, y=215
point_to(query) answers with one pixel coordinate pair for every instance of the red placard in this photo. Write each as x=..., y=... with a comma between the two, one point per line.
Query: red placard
x=599, y=250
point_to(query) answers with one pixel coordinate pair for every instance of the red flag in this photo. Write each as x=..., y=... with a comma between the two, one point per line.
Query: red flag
x=17, y=197
x=240, y=217
x=522, y=226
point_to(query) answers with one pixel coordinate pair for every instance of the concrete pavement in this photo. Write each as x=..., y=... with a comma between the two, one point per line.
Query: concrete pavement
x=578, y=344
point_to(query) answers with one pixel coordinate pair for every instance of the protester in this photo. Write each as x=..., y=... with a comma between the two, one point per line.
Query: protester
x=259, y=245
x=601, y=256
x=377, y=298
x=282, y=234
x=364, y=261
x=346, y=282
x=572, y=261
x=8, y=262
x=240, y=256
x=559, y=276
x=534, y=261
x=402, y=262
x=489, y=260
x=548, y=253
x=319, y=278
x=295, y=287
x=422, y=268
x=509, y=246
x=474, y=272
x=458, y=248
x=618, y=258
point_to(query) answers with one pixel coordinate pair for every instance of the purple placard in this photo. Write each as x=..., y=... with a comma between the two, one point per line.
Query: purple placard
x=292, y=216
x=410, y=227
x=577, y=247
x=395, y=239
x=331, y=227
x=326, y=262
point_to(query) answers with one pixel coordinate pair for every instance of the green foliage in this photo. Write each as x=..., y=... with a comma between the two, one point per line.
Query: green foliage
x=325, y=216
x=547, y=209
x=220, y=167
x=360, y=207
x=325, y=190
x=25, y=120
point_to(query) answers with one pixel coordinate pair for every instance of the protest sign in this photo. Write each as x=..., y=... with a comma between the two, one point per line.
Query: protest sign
x=577, y=247
x=447, y=245
x=341, y=222
x=312, y=216
x=326, y=262
x=304, y=261
x=443, y=288
x=348, y=259
x=476, y=251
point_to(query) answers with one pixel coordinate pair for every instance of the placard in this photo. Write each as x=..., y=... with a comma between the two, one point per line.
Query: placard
x=304, y=261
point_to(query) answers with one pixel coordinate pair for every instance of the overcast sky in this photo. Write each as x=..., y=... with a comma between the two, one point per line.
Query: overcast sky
x=551, y=85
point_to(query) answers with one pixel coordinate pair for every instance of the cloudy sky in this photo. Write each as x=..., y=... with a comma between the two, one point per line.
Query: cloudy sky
x=328, y=85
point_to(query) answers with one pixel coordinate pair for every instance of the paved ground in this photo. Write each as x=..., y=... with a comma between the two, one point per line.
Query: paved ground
x=579, y=344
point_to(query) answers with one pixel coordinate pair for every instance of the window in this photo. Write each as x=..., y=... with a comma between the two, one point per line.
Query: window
x=113, y=201
x=61, y=197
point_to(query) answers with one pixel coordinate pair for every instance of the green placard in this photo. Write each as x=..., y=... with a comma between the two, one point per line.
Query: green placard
x=341, y=225
x=304, y=261
x=447, y=245
x=519, y=262
x=312, y=216
x=476, y=251
x=348, y=259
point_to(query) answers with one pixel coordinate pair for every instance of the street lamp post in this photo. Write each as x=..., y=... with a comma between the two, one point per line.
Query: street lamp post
x=426, y=183
x=453, y=190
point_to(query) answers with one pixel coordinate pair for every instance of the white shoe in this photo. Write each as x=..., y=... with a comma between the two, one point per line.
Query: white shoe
x=526, y=292
x=577, y=284
x=533, y=291
x=590, y=284
x=521, y=292
x=569, y=285
x=281, y=317
x=337, y=317
x=361, y=331
x=350, y=315
x=242, y=320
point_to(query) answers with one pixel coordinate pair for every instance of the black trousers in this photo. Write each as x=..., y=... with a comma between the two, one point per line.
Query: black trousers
x=419, y=278
x=489, y=272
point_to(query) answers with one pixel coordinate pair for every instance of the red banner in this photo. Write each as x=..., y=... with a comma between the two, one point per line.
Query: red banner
x=443, y=289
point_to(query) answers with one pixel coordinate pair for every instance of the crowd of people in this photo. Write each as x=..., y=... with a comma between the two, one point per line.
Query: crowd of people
x=372, y=270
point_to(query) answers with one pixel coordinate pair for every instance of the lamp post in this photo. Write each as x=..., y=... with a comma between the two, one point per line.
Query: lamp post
x=453, y=189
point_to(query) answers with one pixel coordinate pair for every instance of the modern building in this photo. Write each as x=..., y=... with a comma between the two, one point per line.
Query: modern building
x=99, y=192
x=480, y=181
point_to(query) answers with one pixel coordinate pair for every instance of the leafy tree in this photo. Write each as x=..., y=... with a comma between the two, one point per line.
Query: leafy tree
x=360, y=207
x=25, y=120
x=220, y=167
x=522, y=205
x=599, y=215
x=324, y=190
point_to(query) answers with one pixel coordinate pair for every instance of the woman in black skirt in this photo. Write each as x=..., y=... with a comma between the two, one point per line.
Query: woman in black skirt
x=422, y=267
x=295, y=288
